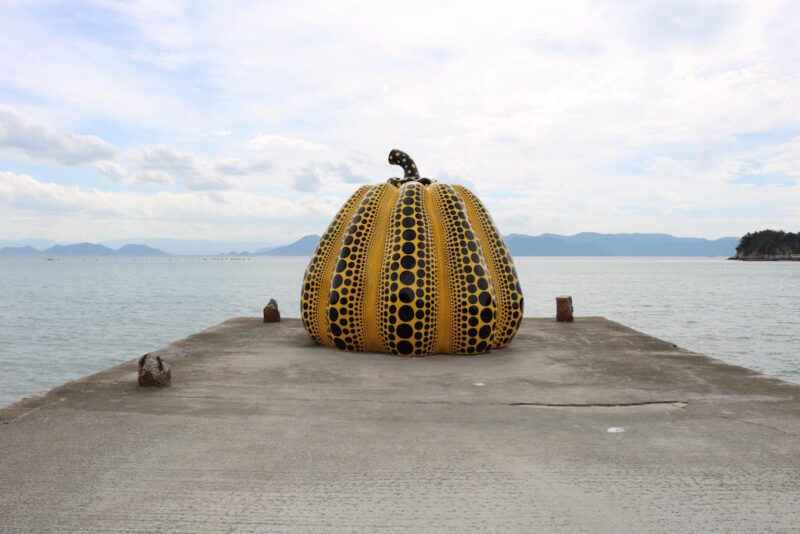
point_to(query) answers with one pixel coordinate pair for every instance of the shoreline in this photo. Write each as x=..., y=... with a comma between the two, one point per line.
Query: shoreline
x=765, y=259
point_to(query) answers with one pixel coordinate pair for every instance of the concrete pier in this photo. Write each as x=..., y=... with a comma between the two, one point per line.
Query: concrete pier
x=582, y=427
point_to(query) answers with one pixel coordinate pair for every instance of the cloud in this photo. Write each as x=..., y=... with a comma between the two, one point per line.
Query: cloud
x=113, y=170
x=307, y=166
x=273, y=142
x=33, y=207
x=161, y=165
x=152, y=166
x=307, y=180
x=663, y=23
x=345, y=173
x=152, y=177
x=651, y=115
x=166, y=165
x=231, y=167
x=69, y=212
x=41, y=142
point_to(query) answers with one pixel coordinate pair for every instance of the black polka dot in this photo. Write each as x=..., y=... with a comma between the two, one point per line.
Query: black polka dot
x=406, y=294
x=404, y=331
x=405, y=313
x=408, y=262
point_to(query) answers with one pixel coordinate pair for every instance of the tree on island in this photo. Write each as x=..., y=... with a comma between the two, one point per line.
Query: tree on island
x=768, y=244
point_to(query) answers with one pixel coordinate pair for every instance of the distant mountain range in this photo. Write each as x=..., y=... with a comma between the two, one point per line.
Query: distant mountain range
x=82, y=250
x=594, y=244
x=583, y=244
x=189, y=247
x=305, y=246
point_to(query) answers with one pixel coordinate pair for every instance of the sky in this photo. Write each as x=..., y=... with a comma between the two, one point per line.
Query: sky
x=256, y=120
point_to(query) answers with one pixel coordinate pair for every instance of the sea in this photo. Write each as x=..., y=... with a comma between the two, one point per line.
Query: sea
x=61, y=319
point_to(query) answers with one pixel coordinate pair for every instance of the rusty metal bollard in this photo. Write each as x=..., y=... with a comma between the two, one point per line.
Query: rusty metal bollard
x=564, y=309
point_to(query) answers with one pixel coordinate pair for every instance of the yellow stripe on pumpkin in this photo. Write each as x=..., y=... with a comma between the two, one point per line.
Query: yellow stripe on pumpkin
x=501, y=267
x=441, y=288
x=408, y=302
x=473, y=307
x=316, y=281
x=375, y=257
x=347, y=308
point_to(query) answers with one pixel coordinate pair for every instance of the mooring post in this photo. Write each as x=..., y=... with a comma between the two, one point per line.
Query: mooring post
x=271, y=313
x=564, y=309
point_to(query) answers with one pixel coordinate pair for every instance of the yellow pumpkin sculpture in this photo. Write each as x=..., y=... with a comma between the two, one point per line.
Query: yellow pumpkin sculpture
x=412, y=267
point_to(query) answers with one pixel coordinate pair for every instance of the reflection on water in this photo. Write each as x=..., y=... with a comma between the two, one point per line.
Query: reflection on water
x=63, y=319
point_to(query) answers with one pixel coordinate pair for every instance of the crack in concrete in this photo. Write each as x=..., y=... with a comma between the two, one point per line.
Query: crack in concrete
x=764, y=425
x=676, y=403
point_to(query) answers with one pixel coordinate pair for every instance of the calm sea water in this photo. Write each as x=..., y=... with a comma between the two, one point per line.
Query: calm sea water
x=60, y=320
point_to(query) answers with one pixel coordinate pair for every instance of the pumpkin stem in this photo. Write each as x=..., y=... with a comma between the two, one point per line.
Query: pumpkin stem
x=398, y=157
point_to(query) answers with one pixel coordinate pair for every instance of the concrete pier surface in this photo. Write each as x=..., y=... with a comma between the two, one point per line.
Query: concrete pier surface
x=581, y=427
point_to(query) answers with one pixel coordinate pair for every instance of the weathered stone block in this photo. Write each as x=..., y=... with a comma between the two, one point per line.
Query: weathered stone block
x=271, y=313
x=154, y=372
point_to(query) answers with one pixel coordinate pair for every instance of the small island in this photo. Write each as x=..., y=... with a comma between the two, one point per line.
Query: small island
x=769, y=245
